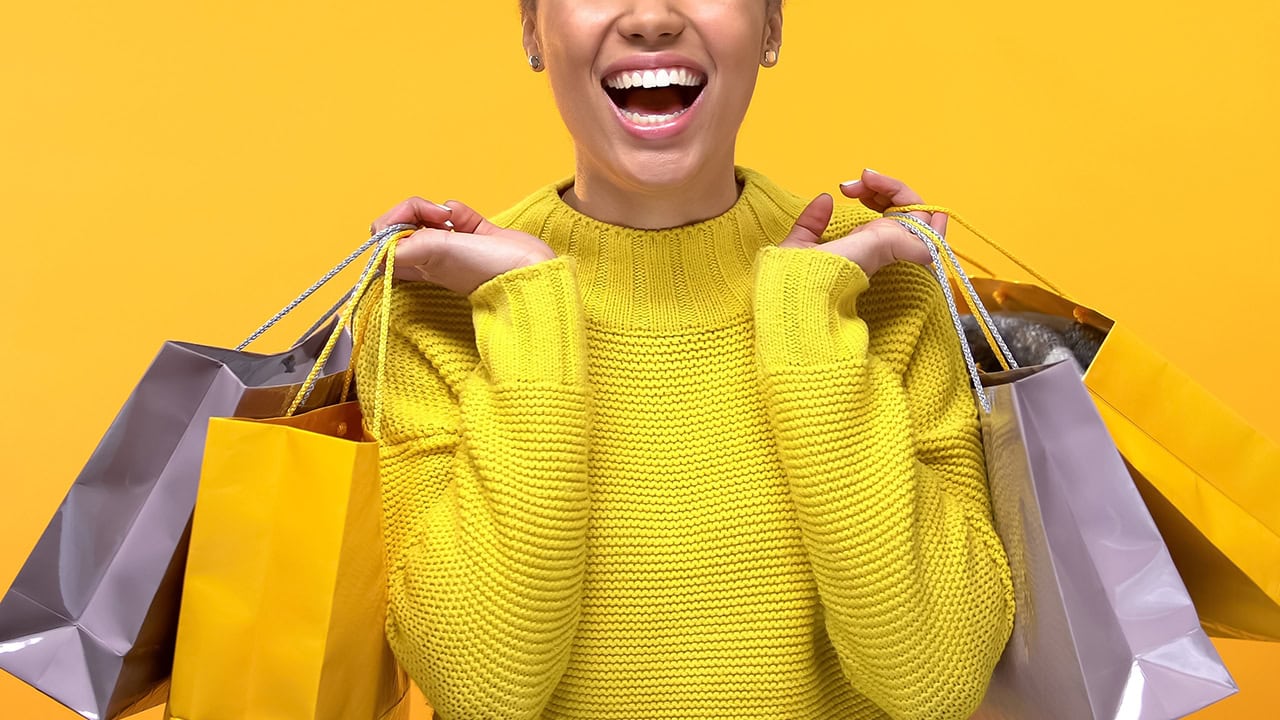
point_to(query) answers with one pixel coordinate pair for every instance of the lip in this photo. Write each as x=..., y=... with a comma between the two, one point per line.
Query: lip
x=654, y=61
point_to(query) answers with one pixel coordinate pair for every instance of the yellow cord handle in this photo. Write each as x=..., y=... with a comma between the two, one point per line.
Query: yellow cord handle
x=973, y=263
x=969, y=226
x=384, y=325
x=386, y=255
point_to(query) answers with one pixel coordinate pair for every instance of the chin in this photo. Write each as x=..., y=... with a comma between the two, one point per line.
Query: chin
x=661, y=171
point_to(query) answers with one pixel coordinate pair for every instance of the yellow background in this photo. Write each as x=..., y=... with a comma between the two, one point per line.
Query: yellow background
x=182, y=169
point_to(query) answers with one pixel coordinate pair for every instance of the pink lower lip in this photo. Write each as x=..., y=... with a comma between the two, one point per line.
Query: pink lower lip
x=658, y=132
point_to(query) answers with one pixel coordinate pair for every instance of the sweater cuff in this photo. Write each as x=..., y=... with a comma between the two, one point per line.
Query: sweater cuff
x=529, y=325
x=806, y=308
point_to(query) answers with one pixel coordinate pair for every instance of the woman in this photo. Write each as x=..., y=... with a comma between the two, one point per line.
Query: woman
x=654, y=444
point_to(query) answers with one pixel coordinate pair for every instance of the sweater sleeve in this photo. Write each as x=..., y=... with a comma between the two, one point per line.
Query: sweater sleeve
x=484, y=476
x=877, y=431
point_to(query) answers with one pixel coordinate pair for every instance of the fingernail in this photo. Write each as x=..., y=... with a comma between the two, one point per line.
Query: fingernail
x=849, y=183
x=873, y=172
x=445, y=208
x=448, y=224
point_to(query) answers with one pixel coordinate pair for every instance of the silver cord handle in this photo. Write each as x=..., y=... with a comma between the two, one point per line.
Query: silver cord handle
x=375, y=241
x=933, y=241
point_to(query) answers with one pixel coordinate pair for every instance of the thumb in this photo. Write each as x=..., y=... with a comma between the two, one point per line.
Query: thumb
x=813, y=221
x=469, y=221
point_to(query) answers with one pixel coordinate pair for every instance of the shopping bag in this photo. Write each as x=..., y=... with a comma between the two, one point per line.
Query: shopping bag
x=1208, y=477
x=284, y=601
x=1104, y=627
x=91, y=617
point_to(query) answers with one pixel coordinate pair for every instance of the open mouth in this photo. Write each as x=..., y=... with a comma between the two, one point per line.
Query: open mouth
x=654, y=97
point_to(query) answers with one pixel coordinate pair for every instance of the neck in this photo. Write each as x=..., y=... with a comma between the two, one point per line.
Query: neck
x=606, y=197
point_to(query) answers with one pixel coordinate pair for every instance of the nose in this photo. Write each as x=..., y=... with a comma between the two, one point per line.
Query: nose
x=651, y=22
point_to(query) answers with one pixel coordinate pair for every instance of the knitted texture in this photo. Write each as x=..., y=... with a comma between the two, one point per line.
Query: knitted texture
x=687, y=474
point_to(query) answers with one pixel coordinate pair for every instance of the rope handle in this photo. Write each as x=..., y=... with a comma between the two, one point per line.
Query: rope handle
x=902, y=210
x=376, y=239
x=955, y=270
x=385, y=253
x=946, y=265
x=384, y=325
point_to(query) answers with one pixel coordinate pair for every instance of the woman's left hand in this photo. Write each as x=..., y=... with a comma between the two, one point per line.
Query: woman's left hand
x=879, y=242
x=881, y=192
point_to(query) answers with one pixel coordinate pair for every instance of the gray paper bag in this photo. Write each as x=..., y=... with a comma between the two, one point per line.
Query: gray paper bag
x=91, y=618
x=1104, y=628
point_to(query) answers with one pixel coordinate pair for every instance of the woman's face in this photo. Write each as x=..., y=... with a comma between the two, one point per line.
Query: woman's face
x=653, y=91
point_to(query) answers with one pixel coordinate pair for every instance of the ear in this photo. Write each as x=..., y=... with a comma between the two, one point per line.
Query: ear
x=530, y=34
x=773, y=28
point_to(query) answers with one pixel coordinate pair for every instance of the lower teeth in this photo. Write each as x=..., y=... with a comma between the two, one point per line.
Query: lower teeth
x=640, y=119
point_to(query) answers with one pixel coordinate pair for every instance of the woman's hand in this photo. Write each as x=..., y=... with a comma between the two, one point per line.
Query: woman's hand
x=457, y=248
x=879, y=242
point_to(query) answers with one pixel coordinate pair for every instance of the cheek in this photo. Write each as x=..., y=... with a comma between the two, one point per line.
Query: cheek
x=735, y=42
x=569, y=65
x=738, y=69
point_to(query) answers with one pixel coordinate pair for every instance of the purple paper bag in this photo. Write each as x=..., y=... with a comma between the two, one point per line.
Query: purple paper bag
x=1104, y=627
x=91, y=618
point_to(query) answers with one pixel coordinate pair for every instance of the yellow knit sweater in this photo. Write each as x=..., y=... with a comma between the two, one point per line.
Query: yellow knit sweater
x=687, y=474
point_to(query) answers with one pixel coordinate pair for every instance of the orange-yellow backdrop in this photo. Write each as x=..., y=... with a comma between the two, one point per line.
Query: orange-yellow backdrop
x=181, y=169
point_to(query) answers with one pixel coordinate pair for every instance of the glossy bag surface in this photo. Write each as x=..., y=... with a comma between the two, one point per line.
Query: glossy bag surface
x=284, y=602
x=1207, y=476
x=1104, y=627
x=91, y=616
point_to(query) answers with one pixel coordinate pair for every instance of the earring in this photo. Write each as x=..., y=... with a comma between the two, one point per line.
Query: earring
x=770, y=58
x=535, y=62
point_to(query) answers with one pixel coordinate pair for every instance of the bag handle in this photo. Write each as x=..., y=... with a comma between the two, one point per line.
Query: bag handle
x=896, y=211
x=387, y=256
x=383, y=258
x=947, y=265
x=375, y=240
x=384, y=327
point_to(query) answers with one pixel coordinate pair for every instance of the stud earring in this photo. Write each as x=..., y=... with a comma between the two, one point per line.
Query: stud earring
x=535, y=62
x=770, y=58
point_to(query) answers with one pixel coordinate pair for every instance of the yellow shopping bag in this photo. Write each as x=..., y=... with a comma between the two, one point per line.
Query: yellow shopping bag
x=284, y=600
x=1207, y=477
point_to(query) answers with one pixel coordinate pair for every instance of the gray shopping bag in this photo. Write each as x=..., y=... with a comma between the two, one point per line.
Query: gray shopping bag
x=1104, y=628
x=91, y=618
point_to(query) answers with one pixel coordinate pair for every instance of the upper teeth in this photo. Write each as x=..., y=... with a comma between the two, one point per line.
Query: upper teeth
x=664, y=77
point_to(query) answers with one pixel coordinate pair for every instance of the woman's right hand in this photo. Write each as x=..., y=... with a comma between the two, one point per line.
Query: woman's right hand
x=456, y=248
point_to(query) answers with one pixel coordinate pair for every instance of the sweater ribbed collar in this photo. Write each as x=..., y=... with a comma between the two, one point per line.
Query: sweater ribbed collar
x=683, y=279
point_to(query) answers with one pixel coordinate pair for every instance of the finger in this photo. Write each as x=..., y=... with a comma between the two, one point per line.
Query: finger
x=856, y=189
x=881, y=192
x=468, y=220
x=938, y=221
x=899, y=242
x=813, y=221
x=880, y=243
x=907, y=247
x=418, y=254
x=870, y=197
x=415, y=211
